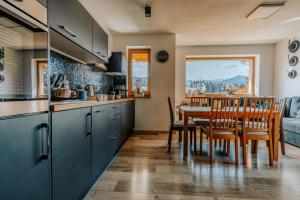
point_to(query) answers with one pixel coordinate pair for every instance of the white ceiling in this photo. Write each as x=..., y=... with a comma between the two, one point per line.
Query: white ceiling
x=198, y=22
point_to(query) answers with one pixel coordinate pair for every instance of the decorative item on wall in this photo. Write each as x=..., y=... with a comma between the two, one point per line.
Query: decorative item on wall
x=294, y=46
x=292, y=74
x=162, y=56
x=293, y=61
x=2, y=55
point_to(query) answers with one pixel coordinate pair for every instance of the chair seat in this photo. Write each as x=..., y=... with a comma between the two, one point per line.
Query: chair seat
x=179, y=124
x=205, y=129
x=252, y=132
x=200, y=121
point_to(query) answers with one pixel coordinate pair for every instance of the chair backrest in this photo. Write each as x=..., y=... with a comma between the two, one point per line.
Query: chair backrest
x=200, y=101
x=279, y=105
x=171, y=111
x=257, y=113
x=224, y=114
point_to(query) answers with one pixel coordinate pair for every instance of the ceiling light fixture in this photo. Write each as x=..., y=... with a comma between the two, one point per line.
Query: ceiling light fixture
x=147, y=11
x=265, y=10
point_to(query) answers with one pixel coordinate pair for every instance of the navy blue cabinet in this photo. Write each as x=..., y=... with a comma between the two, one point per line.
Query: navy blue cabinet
x=84, y=142
x=69, y=18
x=71, y=153
x=115, y=126
x=100, y=42
x=100, y=140
x=24, y=158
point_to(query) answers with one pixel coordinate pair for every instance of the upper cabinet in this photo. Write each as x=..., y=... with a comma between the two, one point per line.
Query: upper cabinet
x=69, y=18
x=100, y=42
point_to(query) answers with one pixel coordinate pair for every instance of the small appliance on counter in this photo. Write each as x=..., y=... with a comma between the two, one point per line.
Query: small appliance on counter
x=60, y=89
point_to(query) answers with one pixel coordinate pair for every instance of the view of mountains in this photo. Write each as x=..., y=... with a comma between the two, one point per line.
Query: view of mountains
x=236, y=83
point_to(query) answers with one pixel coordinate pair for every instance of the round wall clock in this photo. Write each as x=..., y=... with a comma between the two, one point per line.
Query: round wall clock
x=162, y=56
x=294, y=46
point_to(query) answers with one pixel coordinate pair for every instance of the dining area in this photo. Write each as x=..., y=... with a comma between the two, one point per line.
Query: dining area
x=224, y=122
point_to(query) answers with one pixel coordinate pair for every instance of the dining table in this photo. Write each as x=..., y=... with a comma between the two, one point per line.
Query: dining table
x=187, y=112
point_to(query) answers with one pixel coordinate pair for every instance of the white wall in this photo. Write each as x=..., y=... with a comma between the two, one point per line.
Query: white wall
x=152, y=113
x=283, y=85
x=263, y=71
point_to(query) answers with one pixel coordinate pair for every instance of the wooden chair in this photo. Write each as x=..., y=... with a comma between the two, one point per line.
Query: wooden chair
x=178, y=126
x=223, y=123
x=279, y=106
x=201, y=101
x=256, y=123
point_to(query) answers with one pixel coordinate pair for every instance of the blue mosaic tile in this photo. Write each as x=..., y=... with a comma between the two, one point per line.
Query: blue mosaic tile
x=80, y=74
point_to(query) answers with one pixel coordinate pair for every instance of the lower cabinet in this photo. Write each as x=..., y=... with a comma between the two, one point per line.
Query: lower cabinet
x=24, y=158
x=101, y=141
x=84, y=142
x=71, y=153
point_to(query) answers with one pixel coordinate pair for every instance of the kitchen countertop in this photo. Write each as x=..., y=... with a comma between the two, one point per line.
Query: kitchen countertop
x=14, y=108
x=60, y=106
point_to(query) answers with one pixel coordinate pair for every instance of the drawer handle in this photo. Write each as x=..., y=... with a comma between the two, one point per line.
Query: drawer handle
x=45, y=145
x=69, y=31
x=98, y=52
x=89, y=124
x=98, y=111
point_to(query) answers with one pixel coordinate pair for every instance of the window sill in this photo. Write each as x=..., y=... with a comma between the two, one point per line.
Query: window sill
x=142, y=97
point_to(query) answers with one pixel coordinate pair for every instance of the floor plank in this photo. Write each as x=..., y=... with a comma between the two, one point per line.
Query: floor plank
x=144, y=170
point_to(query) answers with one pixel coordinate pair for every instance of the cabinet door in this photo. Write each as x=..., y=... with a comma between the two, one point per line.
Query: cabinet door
x=71, y=153
x=100, y=140
x=100, y=42
x=69, y=18
x=115, y=122
x=24, y=171
x=125, y=120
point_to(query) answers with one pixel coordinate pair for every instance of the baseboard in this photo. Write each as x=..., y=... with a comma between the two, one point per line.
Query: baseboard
x=145, y=132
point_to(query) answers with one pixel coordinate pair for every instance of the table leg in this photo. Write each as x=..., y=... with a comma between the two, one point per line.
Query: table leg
x=275, y=129
x=185, y=136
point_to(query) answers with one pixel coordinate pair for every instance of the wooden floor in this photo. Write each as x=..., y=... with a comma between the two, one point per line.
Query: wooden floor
x=144, y=170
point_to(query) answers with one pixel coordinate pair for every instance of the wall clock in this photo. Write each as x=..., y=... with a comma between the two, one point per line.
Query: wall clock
x=162, y=56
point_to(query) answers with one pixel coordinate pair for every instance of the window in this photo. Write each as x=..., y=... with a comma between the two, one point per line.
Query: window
x=234, y=75
x=139, y=72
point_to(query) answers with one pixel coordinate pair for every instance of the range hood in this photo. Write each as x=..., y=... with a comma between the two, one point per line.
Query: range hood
x=62, y=45
x=117, y=64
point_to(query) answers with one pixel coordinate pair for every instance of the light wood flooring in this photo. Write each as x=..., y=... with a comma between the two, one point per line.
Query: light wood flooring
x=143, y=170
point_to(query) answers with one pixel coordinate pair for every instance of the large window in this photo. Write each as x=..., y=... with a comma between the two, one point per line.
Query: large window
x=139, y=72
x=220, y=75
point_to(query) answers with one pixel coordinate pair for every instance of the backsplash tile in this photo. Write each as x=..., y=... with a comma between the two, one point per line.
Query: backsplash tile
x=80, y=74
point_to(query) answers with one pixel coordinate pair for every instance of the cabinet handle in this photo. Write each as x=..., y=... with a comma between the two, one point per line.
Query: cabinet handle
x=98, y=52
x=98, y=111
x=69, y=31
x=89, y=124
x=45, y=147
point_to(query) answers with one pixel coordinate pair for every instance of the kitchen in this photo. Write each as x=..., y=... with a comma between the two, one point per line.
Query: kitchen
x=64, y=109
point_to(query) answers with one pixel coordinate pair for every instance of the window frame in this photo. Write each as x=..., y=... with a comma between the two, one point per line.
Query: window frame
x=147, y=94
x=220, y=58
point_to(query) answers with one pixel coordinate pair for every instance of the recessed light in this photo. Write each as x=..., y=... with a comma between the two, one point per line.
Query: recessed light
x=265, y=10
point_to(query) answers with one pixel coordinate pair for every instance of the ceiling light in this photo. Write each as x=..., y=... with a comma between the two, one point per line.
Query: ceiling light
x=265, y=10
x=147, y=11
